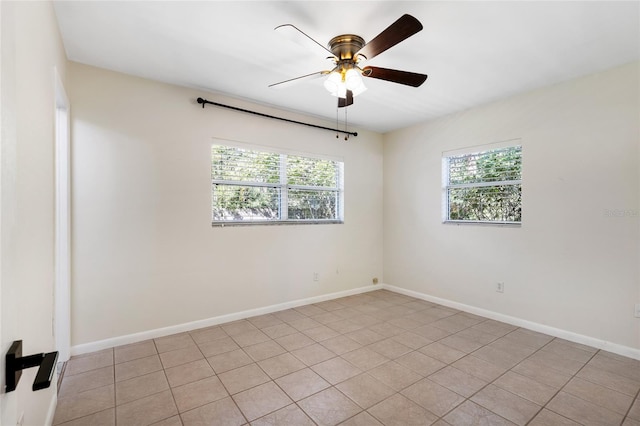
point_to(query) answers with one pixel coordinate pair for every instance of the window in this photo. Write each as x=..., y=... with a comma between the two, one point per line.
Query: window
x=484, y=186
x=256, y=186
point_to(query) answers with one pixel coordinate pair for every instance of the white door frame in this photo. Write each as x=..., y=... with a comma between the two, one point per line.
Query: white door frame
x=62, y=291
x=2, y=367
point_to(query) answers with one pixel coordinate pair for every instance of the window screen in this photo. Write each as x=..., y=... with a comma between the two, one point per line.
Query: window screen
x=484, y=186
x=251, y=186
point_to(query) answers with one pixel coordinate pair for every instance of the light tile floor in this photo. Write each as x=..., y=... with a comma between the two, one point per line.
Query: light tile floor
x=370, y=359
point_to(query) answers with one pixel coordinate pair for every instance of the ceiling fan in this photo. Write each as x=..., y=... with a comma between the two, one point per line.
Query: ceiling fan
x=347, y=51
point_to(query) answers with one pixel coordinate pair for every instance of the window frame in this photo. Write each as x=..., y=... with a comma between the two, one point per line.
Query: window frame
x=282, y=186
x=447, y=186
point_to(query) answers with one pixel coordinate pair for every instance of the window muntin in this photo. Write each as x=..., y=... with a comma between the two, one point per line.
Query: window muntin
x=484, y=186
x=255, y=186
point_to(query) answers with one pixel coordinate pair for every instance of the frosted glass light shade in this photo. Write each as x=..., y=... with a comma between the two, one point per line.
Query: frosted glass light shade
x=352, y=81
x=359, y=89
x=333, y=83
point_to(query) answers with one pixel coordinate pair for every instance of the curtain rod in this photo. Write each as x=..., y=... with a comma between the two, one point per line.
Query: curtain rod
x=204, y=101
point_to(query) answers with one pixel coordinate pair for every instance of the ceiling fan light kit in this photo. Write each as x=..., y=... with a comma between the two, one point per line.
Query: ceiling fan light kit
x=342, y=80
x=347, y=50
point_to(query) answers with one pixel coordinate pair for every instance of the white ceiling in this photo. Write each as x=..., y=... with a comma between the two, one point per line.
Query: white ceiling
x=474, y=52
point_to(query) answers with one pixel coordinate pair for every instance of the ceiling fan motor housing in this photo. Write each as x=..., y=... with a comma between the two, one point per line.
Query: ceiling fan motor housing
x=345, y=46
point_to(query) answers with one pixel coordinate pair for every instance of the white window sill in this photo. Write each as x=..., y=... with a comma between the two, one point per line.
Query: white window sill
x=482, y=223
x=275, y=222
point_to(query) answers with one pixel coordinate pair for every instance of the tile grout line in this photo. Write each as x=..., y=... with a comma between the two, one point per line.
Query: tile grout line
x=561, y=387
x=164, y=371
x=367, y=313
x=466, y=355
x=438, y=418
x=633, y=402
x=217, y=376
x=142, y=375
x=279, y=387
x=315, y=393
x=597, y=384
x=271, y=379
x=399, y=392
x=446, y=364
x=501, y=375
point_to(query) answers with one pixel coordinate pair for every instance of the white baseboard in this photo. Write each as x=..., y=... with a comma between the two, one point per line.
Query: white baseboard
x=208, y=322
x=541, y=328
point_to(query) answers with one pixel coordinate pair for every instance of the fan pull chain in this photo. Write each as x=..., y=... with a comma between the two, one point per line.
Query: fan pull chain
x=346, y=123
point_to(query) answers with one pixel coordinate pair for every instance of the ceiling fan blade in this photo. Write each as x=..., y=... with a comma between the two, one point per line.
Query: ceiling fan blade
x=296, y=35
x=296, y=80
x=344, y=102
x=403, y=28
x=402, y=77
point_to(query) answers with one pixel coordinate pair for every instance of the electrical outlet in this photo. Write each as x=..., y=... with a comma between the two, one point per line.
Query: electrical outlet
x=316, y=276
x=500, y=287
x=637, y=311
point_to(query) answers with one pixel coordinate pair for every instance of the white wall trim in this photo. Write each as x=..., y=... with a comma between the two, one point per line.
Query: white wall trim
x=194, y=325
x=530, y=325
x=51, y=412
x=62, y=292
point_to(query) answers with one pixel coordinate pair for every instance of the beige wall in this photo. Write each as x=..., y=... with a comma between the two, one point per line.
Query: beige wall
x=31, y=48
x=569, y=266
x=145, y=256
x=144, y=253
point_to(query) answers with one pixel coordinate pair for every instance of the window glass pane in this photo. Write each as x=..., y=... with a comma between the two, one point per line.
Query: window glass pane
x=489, y=166
x=311, y=172
x=245, y=203
x=487, y=203
x=304, y=204
x=237, y=164
x=251, y=185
